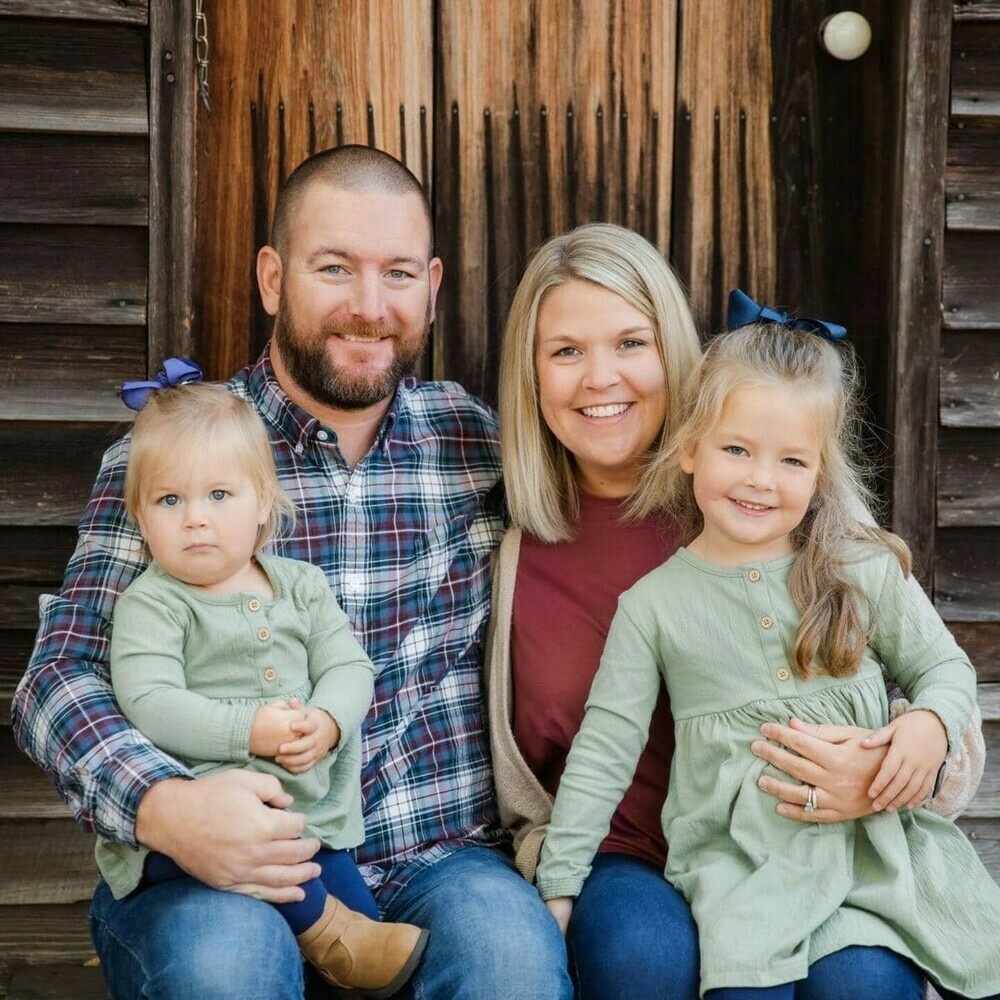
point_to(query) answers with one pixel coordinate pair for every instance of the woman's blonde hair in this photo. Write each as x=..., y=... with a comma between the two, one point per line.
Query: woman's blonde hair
x=833, y=629
x=542, y=493
x=190, y=423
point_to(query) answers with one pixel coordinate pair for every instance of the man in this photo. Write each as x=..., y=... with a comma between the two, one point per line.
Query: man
x=397, y=489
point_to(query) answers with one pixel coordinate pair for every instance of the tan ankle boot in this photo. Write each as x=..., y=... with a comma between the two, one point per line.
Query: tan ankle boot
x=354, y=953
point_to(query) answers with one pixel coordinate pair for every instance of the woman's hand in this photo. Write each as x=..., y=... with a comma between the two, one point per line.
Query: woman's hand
x=561, y=909
x=917, y=743
x=313, y=736
x=833, y=759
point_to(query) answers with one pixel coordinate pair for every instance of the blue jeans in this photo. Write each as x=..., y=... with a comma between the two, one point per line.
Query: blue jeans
x=491, y=936
x=631, y=936
x=855, y=973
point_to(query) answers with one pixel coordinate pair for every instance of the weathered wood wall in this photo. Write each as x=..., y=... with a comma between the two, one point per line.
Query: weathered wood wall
x=95, y=238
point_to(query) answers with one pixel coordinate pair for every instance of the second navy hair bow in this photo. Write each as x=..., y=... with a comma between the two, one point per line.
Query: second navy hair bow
x=743, y=310
x=175, y=371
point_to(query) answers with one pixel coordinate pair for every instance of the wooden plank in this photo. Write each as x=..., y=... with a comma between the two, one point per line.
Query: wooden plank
x=916, y=262
x=68, y=372
x=79, y=179
x=296, y=77
x=969, y=479
x=44, y=934
x=970, y=379
x=966, y=584
x=57, y=982
x=119, y=11
x=834, y=160
x=723, y=212
x=546, y=119
x=986, y=804
x=973, y=177
x=27, y=791
x=35, y=555
x=48, y=470
x=14, y=655
x=977, y=10
x=45, y=861
x=73, y=274
x=19, y=604
x=981, y=640
x=171, y=178
x=975, y=68
x=57, y=76
x=970, y=299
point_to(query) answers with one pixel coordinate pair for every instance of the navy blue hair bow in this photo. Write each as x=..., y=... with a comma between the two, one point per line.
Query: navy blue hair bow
x=175, y=371
x=743, y=310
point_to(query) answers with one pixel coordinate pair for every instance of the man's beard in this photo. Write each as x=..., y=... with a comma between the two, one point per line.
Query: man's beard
x=309, y=366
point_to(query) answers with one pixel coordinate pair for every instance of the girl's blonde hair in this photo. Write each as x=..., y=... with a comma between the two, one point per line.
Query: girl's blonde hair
x=191, y=422
x=542, y=494
x=833, y=629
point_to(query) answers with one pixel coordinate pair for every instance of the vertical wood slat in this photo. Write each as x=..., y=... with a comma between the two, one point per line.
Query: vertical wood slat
x=171, y=180
x=547, y=118
x=915, y=319
x=286, y=80
x=723, y=193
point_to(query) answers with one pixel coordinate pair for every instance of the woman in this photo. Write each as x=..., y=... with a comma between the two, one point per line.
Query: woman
x=598, y=342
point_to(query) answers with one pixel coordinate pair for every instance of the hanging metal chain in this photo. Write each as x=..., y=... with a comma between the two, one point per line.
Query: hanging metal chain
x=201, y=51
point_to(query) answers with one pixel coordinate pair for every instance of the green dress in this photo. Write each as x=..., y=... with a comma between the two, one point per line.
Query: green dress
x=190, y=669
x=772, y=895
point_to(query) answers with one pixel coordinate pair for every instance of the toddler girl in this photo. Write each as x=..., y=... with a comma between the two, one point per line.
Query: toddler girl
x=226, y=657
x=786, y=601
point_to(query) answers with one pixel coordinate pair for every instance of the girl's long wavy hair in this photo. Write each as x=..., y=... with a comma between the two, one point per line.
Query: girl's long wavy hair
x=834, y=627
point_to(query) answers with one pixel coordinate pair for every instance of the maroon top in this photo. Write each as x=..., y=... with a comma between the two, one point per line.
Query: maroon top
x=565, y=596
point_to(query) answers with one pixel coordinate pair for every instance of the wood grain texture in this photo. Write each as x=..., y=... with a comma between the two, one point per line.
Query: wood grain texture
x=61, y=274
x=970, y=379
x=47, y=472
x=171, y=180
x=68, y=372
x=973, y=174
x=44, y=934
x=966, y=585
x=916, y=263
x=45, y=861
x=28, y=793
x=981, y=640
x=14, y=655
x=120, y=11
x=59, y=981
x=34, y=555
x=970, y=299
x=550, y=114
x=969, y=479
x=975, y=70
x=85, y=180
x=724, y=213
x=287, y=80
x=977, y=10
x=56, y=76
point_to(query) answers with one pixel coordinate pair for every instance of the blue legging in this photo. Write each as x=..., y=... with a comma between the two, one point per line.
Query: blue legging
x=339, y=877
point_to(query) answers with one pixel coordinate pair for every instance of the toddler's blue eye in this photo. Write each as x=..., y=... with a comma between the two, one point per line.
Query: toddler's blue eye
x=218, y=494
x=170, y=500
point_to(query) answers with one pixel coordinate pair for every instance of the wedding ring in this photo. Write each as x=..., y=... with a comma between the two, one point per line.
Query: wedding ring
x=811, y=799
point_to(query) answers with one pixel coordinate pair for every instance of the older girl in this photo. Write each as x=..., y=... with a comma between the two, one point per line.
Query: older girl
x=785, y=601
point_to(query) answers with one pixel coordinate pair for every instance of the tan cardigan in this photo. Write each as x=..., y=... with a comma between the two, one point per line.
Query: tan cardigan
x=525, y=806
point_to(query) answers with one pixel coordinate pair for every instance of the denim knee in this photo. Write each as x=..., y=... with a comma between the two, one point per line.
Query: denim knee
x=490, y=933
x=183, y=941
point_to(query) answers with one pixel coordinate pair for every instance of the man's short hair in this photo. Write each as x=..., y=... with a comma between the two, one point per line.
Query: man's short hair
x=346, y=168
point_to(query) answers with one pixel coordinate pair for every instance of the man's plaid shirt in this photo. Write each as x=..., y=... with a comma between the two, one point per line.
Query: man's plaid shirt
x=404, y=540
